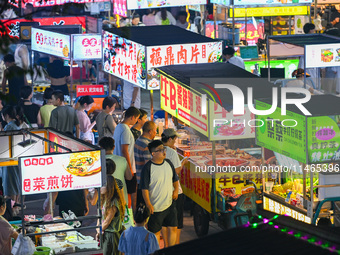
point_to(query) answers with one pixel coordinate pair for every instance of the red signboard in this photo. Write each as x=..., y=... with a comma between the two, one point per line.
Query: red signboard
x=119, y=7
x=90, y=90
x=44, y=3
x=12, y=26
x=66, y=142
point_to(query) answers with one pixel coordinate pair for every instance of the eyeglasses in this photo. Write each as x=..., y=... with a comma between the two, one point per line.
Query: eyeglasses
x=162, y=150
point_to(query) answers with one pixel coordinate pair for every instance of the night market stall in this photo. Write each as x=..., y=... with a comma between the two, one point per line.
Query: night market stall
x=51, y=162
x=213, y=177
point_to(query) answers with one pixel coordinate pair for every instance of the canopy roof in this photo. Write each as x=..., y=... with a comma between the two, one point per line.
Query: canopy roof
x=159, y=35
x=308, y=39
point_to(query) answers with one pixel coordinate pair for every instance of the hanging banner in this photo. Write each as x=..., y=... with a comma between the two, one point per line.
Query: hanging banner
x=87, y=46
x=50, y=43
x=124, y=59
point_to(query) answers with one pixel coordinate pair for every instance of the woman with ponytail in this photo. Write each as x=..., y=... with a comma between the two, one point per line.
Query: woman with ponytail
x=85, y=125
x=138, y=240
x=113, y=215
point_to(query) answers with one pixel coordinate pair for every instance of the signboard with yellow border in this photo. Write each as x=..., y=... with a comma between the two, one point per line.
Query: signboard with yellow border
x=184, y=104
x=269, y=11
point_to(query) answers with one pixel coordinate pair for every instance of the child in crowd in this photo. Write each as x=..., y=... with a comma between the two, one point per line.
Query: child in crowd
x=6, y=231
x=47, y=108
x=113, y=215
x=85, y=125
x=138, y=240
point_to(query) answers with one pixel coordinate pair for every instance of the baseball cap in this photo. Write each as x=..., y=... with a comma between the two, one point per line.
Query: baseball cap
x=169, y=132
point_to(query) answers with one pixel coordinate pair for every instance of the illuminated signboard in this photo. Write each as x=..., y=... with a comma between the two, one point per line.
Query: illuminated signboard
x=124, y=59
x=144, y=4
x=119, y=7
x=87, y=46
x=12, y=26
x=220, y=2
x=271, y=2
x=178, y=54
x=183, y=104
x=90, y=90
x=53, y=173
x=275, y=207
x=50, y=43
x=270, y=11
x=322, y=55
x=45, y=3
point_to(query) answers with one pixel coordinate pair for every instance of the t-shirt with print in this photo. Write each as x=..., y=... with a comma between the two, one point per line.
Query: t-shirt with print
x=159, y=179
x=172, y=155
x=123, y=135
x=5, y=236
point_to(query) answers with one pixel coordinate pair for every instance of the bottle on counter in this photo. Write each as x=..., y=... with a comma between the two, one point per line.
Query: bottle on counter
x=72, y=216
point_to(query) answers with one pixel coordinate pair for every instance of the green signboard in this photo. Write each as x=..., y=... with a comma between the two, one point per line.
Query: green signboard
x=323, y=139
x=289, y=65
x=285, y=134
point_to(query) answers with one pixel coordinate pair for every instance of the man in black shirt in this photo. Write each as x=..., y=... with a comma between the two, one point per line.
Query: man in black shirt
x=16, y=79
x=143, y=117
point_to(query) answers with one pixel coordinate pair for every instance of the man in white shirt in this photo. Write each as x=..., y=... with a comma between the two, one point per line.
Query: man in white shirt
x=131, y=95
x=229, y=54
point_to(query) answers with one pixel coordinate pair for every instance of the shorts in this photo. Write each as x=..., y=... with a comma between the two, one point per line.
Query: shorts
x=131, y=185
x=63, y=88
x=180, y=210
x=168, y=218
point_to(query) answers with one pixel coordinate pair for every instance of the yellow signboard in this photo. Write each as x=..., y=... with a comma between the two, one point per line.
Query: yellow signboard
x=196, y=185
x=269, y=11
x=183, y=104
x=275, y=207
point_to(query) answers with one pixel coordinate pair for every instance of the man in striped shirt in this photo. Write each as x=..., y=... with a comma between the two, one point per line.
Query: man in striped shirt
x=142, y=153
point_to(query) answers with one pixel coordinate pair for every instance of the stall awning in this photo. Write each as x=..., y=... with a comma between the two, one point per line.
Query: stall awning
x=308, y=39
x=159, y=35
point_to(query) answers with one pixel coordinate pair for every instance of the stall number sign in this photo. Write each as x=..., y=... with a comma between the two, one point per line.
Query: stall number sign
x=90, y=90
x=322, y=55
x=50, y=43
x=180, y=54
x=323, y=139
x=124, y=59
x=275, y=207
x=41, y=174
x=183, y=104
x=86, y=47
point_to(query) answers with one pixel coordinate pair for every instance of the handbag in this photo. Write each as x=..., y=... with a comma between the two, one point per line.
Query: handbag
x=106, y=130
x=128, y=218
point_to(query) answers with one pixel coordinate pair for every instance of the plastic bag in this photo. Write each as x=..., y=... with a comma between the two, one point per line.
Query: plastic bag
x=128, y=218
x=23, y=245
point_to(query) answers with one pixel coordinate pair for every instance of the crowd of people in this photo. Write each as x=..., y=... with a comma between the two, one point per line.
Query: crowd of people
x=142, y=172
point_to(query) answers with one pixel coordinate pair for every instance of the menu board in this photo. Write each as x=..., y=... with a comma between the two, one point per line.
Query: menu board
x=124, y=59
x=322, y=55
x=225, y=126
x=183, y=104
x=60, y=172
x=87, y=46
x=271, y=2
x=144, y=4
x=50, y=43
x=323, y=139
x=178, y=54
x=280, y=134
